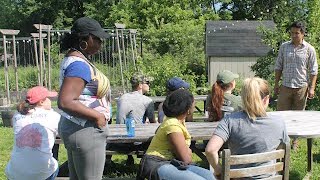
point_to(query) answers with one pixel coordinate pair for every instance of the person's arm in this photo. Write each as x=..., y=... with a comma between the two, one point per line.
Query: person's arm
x=212, y=155
x=278, y=74
x=160, y=113
x=121, y=112
x=209, y=107
x=149, y=114
x=312, y=86
x=313, y=69
x=180, y=148
x=278, y=69
x=70, y=91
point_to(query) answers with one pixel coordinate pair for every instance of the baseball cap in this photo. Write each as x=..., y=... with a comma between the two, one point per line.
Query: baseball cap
x=140, y=78
x=226, y=76
x=38, y=93
x=86, y=25
x=177, y=83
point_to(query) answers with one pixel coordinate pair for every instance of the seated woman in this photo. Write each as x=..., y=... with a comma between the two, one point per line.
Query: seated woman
x=35, y=129
x=169, y=156
x=248, y=131
x=221, y=100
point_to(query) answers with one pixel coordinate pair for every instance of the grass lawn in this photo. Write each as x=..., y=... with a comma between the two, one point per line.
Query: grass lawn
x=298, y=164
x=119, y=169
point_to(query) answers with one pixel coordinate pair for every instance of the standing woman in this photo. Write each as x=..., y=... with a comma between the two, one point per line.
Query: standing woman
x=251, y=130
x=85, y=100
x=169, y=155
x=221, y=99
x=35, y=129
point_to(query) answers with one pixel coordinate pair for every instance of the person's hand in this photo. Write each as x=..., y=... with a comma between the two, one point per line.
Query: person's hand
x=217, y=171
x=218, y=177
x=310, y=93
x=276, y=89
x=101, y=121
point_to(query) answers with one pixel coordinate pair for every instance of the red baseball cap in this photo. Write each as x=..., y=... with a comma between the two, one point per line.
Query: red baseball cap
x=38, y=93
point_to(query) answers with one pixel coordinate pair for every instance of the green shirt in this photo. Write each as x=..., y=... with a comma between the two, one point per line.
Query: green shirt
x=231, y=103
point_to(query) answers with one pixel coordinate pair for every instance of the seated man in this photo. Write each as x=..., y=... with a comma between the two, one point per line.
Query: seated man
x=142, y=107
x=172, y=85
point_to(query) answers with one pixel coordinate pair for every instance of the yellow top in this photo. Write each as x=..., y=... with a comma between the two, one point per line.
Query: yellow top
x=160, y=145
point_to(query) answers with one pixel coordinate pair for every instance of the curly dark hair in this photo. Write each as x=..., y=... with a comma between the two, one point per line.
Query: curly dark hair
x=177, y=103
x=300, y=25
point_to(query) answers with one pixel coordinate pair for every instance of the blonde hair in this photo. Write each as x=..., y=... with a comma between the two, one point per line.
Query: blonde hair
x=252, y=94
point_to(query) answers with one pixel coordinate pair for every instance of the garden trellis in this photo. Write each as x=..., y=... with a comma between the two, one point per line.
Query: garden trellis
x=38, y=58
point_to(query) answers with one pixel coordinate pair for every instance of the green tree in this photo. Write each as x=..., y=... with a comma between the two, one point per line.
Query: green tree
x=289, y=12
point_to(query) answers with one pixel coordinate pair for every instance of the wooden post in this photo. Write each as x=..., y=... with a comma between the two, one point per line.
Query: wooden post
x=35, y=36
x=132, y=32
x=15, y=63
x=43, y=75
x=118, y=26
x=6, y=73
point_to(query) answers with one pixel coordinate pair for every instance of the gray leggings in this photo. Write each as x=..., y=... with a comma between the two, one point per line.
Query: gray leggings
x=85, y=147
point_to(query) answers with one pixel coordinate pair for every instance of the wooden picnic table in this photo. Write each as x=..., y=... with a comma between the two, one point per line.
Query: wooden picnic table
x=302, y=124
x=143, y=133
x=118, y=134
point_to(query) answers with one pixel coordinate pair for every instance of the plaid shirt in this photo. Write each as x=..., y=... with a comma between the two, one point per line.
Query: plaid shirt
x=295, y=64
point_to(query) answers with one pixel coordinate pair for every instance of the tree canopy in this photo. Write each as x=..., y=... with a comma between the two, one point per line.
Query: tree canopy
x=172, y=31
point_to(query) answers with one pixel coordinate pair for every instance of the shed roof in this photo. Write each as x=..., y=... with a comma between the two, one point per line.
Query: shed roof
x=236, y=38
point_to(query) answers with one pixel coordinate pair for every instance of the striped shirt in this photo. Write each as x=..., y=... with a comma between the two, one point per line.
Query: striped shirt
x=295, y=64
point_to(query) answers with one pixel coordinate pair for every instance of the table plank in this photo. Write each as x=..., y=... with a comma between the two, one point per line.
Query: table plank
x=118, y=133
x=162, y=98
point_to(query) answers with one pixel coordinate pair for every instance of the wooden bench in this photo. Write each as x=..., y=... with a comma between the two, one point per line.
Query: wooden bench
x=139, y=153
x=282, y=155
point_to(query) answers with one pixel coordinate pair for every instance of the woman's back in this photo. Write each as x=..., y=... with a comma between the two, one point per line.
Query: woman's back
x=35, y=134
x=246, y=136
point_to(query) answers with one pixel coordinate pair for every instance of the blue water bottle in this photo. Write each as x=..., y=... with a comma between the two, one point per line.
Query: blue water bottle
x=130, y=124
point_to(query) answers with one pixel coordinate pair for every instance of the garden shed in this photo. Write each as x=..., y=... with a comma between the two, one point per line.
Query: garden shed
x=234, y=46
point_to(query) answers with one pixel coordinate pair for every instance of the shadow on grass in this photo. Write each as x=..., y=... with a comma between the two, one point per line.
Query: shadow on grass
x=295, y=175
x=111, y=170
x=120, y=170
x=316, y=158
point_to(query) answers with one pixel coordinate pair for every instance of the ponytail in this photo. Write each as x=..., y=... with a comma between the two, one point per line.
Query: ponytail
x=24, y=107
x=217, y=95
x=252, y=94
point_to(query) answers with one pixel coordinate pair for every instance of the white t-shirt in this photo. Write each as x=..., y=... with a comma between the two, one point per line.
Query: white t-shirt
x=34, y=136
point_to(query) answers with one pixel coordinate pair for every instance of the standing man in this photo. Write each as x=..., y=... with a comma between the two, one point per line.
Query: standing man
x=298, y=67
x=297, y=64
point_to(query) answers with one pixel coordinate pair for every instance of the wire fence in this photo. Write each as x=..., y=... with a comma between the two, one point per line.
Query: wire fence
x=35, y=60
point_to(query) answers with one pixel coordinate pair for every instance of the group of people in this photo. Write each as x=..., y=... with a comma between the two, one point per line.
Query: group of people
x=85, y=101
